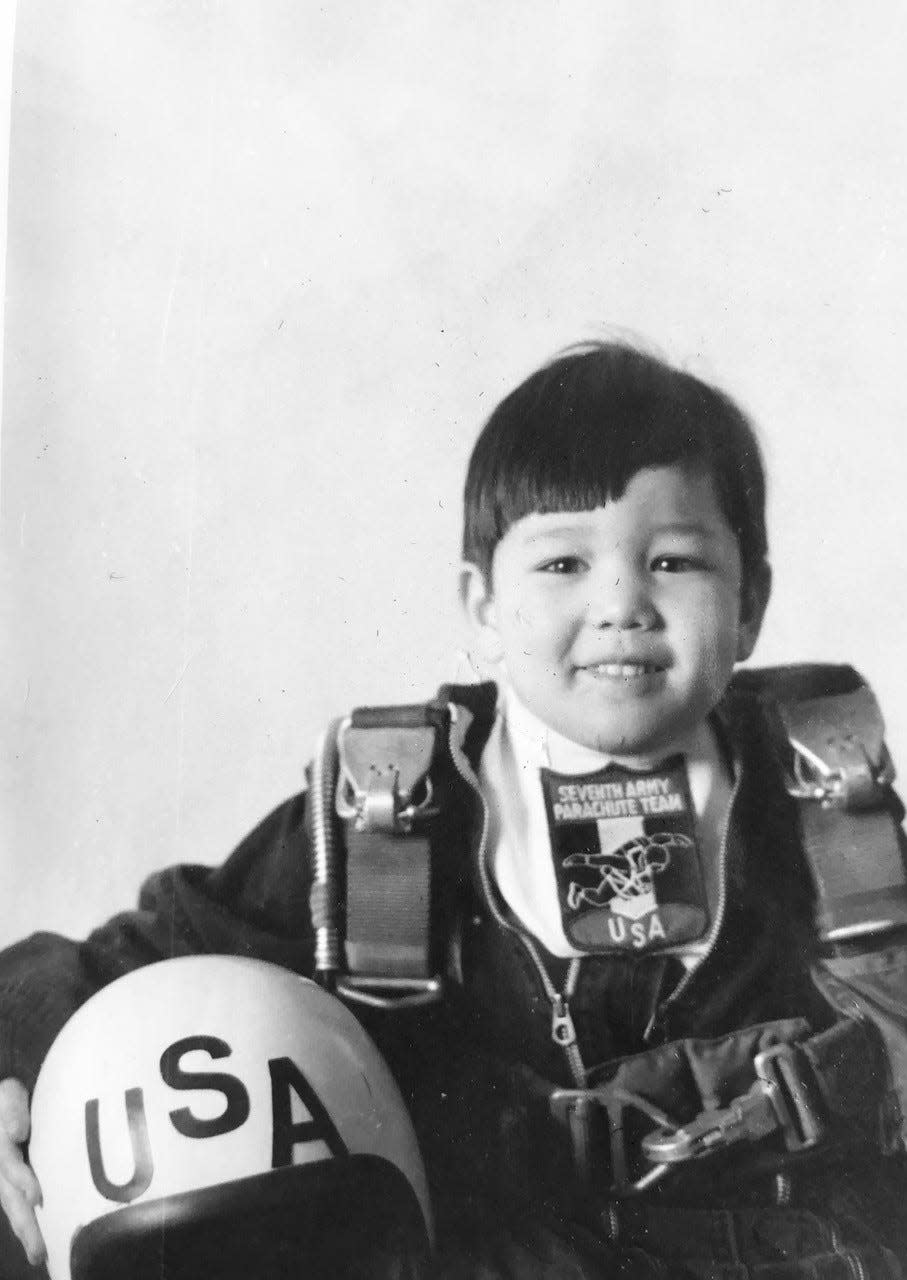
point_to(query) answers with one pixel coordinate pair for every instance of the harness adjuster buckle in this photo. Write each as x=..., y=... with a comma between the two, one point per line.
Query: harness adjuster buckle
x=390, y=994
x=795, y=1094
x=586, y=1114
x=383, y=782
x=780, y=1101
x=839, y=753
x=853, y=782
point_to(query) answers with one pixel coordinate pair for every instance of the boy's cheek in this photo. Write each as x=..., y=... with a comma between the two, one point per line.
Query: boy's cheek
x=489, y=645
x=534, y=636
x=520, y=623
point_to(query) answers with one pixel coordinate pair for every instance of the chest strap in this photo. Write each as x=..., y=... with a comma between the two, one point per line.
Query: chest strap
x=838, y=768
x=739, y=1105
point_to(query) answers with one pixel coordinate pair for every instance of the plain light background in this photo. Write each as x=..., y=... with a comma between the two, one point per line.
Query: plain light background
x=270, y=266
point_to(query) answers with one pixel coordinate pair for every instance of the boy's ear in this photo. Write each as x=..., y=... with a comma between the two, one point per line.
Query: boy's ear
x=753, y=603
x=477, y=599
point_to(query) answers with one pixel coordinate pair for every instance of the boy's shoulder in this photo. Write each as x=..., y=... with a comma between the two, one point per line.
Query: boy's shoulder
x=827, y=735
x=798, y=682
x=831, y=728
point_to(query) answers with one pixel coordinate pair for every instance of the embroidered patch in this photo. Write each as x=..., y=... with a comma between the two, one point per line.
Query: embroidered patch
x=629, y=873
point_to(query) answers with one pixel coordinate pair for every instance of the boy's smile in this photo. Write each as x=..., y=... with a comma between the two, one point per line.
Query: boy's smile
x=619, y=627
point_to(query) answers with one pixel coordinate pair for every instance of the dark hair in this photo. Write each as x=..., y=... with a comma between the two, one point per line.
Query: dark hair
x=576, y=432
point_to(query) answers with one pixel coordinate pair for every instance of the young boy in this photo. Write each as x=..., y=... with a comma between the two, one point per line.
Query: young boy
x=628, y=915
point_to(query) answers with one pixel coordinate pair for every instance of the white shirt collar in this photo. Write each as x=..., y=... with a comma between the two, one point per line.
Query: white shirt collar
x=537, y=746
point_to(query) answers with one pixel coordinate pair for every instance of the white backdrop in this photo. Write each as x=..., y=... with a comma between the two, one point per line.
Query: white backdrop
x=270, y=266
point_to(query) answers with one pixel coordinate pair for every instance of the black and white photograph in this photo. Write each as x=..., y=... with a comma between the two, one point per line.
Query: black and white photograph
x=452, y=488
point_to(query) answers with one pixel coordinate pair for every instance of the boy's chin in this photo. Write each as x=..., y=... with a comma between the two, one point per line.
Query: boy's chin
x=630, y=741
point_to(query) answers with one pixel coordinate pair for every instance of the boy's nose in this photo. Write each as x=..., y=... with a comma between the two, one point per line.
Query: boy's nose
x=621, y=602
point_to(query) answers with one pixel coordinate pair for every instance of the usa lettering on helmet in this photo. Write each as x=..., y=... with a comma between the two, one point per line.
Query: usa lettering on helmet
x=226, y=1088
x=286, y=1080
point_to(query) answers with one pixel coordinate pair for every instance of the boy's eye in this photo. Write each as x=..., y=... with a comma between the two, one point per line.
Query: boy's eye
x=677, y=564
x=563, y=564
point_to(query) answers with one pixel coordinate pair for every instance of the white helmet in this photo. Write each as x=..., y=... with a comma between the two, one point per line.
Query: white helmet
x=215, y=1116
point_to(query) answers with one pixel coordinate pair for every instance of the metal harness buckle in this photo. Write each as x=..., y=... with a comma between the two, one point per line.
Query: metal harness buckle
x=381, y=771
x=854, y=783
x=840, y=758
x=781, y=1100
x=392, y=994
x=582, y=1111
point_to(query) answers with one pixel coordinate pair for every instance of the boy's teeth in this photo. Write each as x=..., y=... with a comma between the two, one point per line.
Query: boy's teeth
x=621, y=669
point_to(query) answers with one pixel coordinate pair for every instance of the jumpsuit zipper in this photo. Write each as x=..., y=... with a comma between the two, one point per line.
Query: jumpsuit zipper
x=563, y=1031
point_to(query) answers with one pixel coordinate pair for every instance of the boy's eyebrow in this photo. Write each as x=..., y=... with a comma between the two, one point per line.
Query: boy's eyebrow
x=690, y=526
x=681, y=527
x=558, y=531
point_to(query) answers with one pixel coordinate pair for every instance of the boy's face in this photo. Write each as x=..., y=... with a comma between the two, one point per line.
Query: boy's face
x=619, y=627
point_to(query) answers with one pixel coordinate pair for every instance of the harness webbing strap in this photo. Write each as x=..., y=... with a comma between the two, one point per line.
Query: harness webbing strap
x=856, y=862
x=850, y=1068
x=840, y=772
x=388, y=903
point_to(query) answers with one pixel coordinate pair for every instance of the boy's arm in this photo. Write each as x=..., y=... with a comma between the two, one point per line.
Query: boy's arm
x=255, y=904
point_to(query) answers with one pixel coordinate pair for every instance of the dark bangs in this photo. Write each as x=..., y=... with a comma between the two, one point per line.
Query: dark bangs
x=573, y=435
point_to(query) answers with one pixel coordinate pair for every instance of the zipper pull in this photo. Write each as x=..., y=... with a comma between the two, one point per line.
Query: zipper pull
x=563, y=1031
